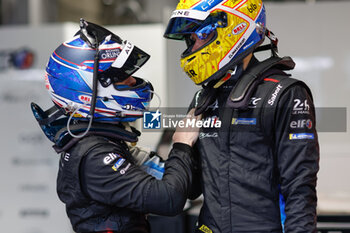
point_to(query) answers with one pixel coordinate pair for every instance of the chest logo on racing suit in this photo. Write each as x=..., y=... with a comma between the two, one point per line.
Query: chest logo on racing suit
x=214, y=105
x=300, y=136
x=118, y=164
x=207, y=135
x=301, y=107
x=66, y=157
x=205, y=229
x=301, y=124
x=243, y=121
x=110, y=157
x=274, y=95
x=122, y=171
x=253, y=102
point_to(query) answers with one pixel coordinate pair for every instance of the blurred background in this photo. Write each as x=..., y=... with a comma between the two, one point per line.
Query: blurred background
x=313, y=32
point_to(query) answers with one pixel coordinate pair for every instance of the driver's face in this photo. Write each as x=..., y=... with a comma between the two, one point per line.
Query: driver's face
x=130, y=81
x=198, y=42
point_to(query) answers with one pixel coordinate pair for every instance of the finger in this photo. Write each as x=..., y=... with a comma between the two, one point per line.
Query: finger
x=191, y=112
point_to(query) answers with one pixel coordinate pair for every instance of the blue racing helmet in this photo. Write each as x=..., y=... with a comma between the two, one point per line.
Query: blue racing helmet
x=83, y=72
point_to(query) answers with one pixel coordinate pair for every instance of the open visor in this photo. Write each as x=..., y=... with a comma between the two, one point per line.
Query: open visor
x=179, y=27
x=130, y=59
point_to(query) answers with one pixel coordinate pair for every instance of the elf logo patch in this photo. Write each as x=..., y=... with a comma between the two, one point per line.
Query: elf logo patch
x=109, y=158
x=300, y=124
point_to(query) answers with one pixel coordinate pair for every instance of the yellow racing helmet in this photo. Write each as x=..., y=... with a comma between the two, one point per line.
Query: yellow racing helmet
x=238, y=27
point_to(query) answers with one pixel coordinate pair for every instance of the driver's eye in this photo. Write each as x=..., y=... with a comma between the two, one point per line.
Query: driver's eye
x=204, y=36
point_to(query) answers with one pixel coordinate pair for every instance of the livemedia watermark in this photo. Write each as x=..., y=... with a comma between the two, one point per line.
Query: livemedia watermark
x=326, y=120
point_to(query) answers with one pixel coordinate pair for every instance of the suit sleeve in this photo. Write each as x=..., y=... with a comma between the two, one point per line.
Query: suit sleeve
x=298, y=158
x=196, y=186
x=113, y=180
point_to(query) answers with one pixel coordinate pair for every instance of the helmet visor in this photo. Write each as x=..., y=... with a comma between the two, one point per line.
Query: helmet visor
x=179, y=27
x=123, y=67
x=135, y=61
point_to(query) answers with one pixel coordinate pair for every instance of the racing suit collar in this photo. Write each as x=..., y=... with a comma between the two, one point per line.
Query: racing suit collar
x=64, y=141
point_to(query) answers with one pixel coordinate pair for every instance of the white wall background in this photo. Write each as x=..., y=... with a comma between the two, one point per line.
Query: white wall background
x=317, y=36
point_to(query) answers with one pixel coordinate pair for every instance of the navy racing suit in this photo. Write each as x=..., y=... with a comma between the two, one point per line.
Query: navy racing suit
x=268, y=148
x=105, y=190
